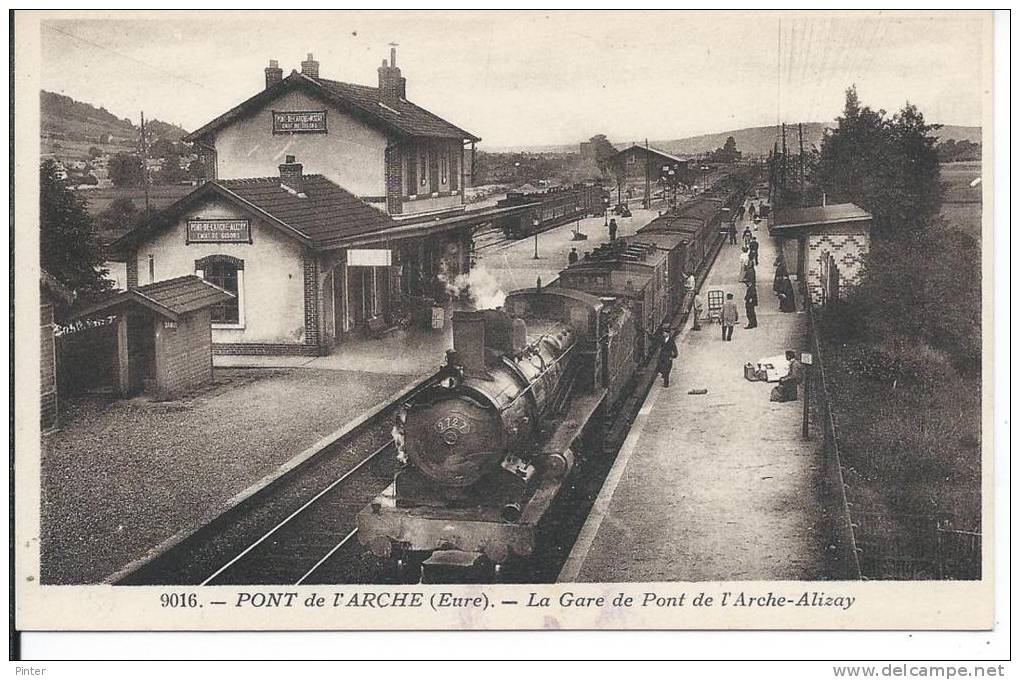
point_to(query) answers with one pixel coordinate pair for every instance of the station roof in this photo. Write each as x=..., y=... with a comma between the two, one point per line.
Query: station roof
x=402, y=118
x=650, y=149
x=818, y=215
x=172, y=298
x=323, y=214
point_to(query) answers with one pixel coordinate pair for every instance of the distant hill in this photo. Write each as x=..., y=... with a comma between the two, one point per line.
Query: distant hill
x=69, y=127
x=755, y=141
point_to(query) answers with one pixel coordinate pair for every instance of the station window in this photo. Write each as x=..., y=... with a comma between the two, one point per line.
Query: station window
x=228, y=273
x=444, y=168
x=423, y=167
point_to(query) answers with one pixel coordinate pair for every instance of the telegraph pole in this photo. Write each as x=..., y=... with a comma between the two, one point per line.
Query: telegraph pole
x=648, y=186
x=782, y=177
x=145, y=164
x=800, y=133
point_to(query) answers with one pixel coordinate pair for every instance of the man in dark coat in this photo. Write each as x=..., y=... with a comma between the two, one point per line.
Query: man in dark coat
x=572, y=256
x=733, y=233
x=750, y=302
x=666, y=344
x=752, y=249
x=612, y=230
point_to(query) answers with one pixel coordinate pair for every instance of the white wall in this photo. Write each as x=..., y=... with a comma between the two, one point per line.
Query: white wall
x=273, y=274
x=351, y=154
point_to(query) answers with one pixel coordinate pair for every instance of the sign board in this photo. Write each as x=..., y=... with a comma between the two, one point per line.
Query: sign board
x=298, y=121
x=216, y=230
x=806, y=358
x=369, y=257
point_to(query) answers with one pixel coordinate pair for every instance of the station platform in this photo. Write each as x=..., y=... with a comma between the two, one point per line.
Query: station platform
x=717, y=486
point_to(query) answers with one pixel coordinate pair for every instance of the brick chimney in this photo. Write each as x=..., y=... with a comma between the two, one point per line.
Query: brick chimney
x=292, y=175
x=274, y=74
x=310, y=67
x=392, y=88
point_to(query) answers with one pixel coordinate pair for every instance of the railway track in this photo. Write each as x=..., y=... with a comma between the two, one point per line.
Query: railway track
x=295, y=530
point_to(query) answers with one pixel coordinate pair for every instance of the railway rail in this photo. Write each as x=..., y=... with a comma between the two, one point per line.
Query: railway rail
x=295, y=528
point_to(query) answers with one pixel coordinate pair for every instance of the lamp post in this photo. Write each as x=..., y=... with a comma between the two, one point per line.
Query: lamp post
x=534, y=223
x=704, y=177
x=605, y=202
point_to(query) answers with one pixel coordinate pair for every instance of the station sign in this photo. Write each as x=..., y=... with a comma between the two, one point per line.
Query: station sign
x=298, y=121
x=215, y=230
x=369, y=257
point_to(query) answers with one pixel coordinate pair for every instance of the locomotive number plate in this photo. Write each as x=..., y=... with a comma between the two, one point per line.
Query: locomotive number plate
x=451, y=427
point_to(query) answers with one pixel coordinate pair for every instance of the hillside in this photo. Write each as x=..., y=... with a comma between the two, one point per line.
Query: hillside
x=753, y=141
x=69, y=127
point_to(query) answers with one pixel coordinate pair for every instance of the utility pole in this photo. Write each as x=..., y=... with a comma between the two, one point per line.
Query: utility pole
x=782, y=177
x=145, y=164
x=648, y=185
x=800, y=133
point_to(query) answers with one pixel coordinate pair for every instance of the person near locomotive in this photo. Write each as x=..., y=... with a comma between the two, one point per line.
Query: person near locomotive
x=732, y=231
x=730, y=317
x=666, y=345
x=750, y=302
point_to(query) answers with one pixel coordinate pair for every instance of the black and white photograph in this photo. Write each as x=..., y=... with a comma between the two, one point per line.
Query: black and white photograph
x=522, y=305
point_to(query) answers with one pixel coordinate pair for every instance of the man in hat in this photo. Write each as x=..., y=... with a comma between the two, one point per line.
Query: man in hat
x=730, y=317
x=666, y=345
x=572, y=256
x=750, y=302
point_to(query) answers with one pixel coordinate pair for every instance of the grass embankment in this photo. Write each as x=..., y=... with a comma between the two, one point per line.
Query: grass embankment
x=903, y=357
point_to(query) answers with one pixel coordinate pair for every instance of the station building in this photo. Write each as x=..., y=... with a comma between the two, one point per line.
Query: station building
x=825, y=245
x=637, y=162
x=335, y=210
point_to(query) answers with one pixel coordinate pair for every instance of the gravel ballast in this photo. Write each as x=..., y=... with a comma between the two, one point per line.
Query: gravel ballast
x=122, y=476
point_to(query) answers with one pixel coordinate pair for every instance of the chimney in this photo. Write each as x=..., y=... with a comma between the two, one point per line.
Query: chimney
x=469, y=342
x=392, y=87
x=310, y=67
x=291, y=176
x=274, y=74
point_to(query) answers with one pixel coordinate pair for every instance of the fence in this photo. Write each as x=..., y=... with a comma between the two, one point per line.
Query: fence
x=881, y=545
x=843, y=535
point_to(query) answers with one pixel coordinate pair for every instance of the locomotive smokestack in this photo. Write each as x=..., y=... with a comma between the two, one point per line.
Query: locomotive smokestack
x=469, y=342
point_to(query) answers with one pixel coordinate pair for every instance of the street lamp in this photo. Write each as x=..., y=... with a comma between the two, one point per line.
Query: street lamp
x=605, y=202
x=535, y=223
x=704, y=180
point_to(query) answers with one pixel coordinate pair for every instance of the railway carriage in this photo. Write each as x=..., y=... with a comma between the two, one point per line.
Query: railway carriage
x=550, y=208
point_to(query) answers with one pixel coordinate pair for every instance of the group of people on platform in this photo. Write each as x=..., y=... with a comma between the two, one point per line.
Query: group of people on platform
x=664, y=341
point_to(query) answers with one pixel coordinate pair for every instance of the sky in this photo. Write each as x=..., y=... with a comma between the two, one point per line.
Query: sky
x=537, y=78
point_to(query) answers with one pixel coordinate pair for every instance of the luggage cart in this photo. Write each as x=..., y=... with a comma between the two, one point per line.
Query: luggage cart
x=715, y=303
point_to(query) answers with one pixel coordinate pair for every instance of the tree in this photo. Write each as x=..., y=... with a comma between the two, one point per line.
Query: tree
x=727, y=153
x=67, y=244
x=126, y=170
x=171, y=172
x=888, y=166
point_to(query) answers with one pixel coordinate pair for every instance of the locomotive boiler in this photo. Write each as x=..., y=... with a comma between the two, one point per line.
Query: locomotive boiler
x=467, y=440
x=490, y=444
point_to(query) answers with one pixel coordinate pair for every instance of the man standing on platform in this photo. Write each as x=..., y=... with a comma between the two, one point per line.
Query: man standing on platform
x=733, y=233
x=667, y=352
x=750, y=302
x=752, y=249
x=697, y=308
x=730, y=317
x=612, y=230
x=572, y=256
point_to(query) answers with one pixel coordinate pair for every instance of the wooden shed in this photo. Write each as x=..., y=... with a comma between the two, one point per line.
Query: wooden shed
x=164, y=334
x=54, y=300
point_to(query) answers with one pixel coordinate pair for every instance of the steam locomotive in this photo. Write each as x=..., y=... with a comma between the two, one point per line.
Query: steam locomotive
x=521, y=400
